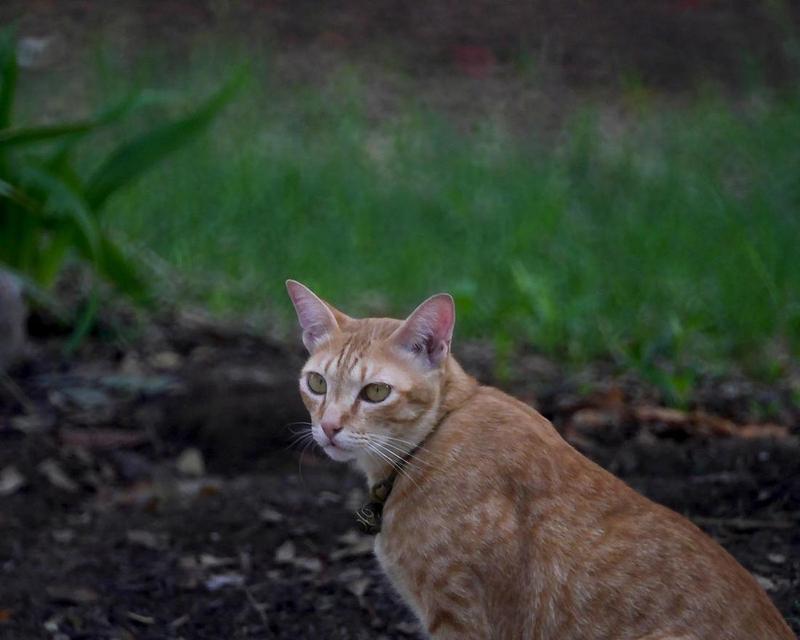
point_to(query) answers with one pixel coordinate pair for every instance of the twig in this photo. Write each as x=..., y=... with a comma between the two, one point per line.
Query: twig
x=257, y=606
x=743, y=523
x=18, y=394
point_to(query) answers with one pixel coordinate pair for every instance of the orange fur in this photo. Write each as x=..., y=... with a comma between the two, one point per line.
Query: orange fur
x=497, y=528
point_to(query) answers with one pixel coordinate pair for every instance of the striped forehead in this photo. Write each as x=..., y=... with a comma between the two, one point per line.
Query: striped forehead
x=357, y=367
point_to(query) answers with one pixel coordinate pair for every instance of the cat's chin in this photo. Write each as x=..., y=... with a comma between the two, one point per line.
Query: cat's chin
x=339, y=454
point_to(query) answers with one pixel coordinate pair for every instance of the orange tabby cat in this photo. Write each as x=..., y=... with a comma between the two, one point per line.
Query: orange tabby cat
x=495, y=527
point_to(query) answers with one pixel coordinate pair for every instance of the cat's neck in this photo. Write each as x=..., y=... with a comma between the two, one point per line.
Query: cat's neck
x=456, y=388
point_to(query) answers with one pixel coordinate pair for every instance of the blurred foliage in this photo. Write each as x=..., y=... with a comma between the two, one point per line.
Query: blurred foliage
x=49, y=211
x=669, y=236
x=662, y=234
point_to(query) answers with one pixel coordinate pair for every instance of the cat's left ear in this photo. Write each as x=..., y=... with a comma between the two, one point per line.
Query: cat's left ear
x=428, y=331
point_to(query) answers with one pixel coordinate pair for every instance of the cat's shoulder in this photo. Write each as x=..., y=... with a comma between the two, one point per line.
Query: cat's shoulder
x=493, y=410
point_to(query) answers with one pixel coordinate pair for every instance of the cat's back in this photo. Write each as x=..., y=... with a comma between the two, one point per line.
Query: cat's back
x=504, y=512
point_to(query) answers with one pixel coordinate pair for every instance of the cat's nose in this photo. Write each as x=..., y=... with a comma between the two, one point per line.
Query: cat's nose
x=330, y=428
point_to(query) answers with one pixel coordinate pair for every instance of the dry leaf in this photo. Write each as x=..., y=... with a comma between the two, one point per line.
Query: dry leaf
x=665, y=415
x=359, y=587
x=592, y=418
x=11, y=480
x=713, y=425
x=168, y=360
x=408, y=628
x=36, y=423
x=84, y=398
x=767, y=430
x=138, y=617
x=207, y=560
x=63, y=536
x=101, y=438
x=766, y=583
x=52, y=470
x=147, y=539
x=309, y=564
x=220, y=581
x=355, y=544
x=267, y=514
x=72, y=595
x=285, y=553
x=190, y=462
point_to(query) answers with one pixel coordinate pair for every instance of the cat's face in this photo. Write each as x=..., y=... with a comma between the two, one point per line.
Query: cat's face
x=372, y=386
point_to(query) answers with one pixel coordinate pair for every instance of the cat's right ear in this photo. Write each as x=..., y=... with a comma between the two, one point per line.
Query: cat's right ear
x=317, y=319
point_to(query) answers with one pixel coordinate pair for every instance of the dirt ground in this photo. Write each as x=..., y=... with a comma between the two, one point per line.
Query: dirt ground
x=528, y=64
x=148, y=488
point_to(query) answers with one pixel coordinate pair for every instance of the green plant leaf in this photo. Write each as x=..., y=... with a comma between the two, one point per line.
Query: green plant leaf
x=61, y=203
x=133, y=158
x=117, y=268
x=8, y=76
x=59, y=160
x=28, y=135
x=75, y=130
x=17, y=196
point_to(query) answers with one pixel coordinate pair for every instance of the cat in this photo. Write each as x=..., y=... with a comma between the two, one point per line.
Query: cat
x=489, y=524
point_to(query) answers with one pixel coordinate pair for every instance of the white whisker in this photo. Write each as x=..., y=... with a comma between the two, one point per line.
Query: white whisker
x=414, y=452
x=414, y=446
x=374, y=446
x=407, y=455
x=400, y=465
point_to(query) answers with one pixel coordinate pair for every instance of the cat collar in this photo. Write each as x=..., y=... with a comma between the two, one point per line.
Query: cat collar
x=370, y=516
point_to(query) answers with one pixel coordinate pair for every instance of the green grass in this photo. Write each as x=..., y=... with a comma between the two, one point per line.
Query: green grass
x=678, y=237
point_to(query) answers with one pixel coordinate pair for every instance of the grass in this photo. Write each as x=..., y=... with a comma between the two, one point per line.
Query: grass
x=676, y=237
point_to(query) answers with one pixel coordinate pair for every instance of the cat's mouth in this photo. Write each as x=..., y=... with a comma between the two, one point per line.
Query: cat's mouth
x=338, y=452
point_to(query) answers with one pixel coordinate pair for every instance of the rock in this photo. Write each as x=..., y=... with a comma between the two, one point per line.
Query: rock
x=285, y=553
x=190, y=463
x=13, y=315
x=11, y=481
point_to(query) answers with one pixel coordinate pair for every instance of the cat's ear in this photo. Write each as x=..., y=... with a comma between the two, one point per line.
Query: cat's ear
x=318, y=320
x=428, y=331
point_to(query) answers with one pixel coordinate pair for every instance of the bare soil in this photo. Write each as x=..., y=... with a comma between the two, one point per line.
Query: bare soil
x=158, y=495
x=530, y=64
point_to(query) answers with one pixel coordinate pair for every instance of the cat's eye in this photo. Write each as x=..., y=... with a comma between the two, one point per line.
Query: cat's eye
x=316, y=383
x=376, y=392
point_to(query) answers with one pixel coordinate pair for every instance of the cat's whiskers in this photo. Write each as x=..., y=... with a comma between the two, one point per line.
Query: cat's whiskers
x=414, y=446
x=299, y=423
x=299, y=436
x=410, y=457
x=300, y=461
x=300, y=439
x=400, y=464
x=382, y=452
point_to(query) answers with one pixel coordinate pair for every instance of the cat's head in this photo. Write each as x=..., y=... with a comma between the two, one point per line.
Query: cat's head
x=372, y=386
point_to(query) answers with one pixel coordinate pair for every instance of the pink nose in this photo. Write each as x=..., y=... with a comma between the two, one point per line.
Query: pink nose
x=330, y=429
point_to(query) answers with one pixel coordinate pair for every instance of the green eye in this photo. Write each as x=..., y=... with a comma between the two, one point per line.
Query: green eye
x=376, y=392
x=316, y=383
